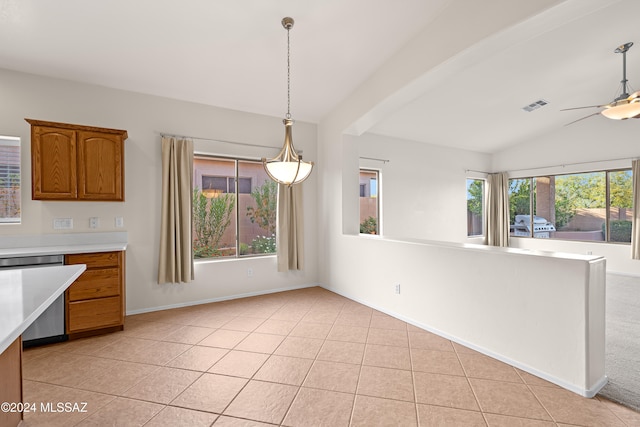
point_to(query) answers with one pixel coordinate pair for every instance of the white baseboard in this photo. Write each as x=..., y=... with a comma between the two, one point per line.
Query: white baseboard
x=622, y=273
x=218, y=299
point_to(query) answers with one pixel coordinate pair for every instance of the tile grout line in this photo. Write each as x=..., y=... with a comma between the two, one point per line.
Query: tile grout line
x=265, y=361
x=284, y=416
x=536, y=397
x=466, y=376
x=315, y=359
x=355, y=393
x=413, y=379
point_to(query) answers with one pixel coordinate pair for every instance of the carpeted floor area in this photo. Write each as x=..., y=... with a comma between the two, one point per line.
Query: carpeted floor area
x=623, y=340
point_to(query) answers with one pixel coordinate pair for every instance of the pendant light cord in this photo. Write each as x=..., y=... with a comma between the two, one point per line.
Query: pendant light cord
x=288, y=76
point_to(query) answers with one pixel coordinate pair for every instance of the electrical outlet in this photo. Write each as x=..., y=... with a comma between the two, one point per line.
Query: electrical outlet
x=249, y=272
x=119, y=222
x=62, y=223
x=94, y=222
x=398, y=288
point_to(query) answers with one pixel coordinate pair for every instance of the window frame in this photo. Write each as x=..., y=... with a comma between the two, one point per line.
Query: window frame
x=378, y=196
x=233, y=179
x=13, y=141
x=607, y=195
x=483, y=209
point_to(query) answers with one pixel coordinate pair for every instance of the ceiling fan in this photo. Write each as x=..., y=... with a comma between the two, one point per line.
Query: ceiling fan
x=624, y=106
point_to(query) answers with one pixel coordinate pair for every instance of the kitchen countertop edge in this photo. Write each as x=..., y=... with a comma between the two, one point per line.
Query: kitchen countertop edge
x=62, y=249
x=69, y=274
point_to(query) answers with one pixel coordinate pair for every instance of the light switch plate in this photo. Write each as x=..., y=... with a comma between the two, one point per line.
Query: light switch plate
x=62, y=223
x=94, y=222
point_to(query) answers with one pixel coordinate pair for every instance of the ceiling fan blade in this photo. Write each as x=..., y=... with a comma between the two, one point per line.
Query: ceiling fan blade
x=580, y=108
x=585, y=117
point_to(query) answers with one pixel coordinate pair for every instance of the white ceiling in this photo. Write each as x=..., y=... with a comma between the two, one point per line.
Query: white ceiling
x=564, y=56
x=232, y=54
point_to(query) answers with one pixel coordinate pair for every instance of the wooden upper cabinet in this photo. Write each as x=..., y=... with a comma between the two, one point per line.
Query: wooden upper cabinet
x=74, y=162
x=100, y=174
x=53, y=163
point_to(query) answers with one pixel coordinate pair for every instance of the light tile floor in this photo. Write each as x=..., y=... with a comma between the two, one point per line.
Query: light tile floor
x=300, y=358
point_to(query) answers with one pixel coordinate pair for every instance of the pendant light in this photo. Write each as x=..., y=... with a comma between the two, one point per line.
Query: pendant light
x=288, y=167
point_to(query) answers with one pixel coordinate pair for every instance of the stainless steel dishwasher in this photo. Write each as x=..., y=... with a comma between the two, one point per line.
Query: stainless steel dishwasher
x=49, y=326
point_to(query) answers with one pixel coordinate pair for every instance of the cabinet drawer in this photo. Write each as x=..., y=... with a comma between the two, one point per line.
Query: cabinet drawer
x=102, y=259
x=104, y=282
x=93, y=314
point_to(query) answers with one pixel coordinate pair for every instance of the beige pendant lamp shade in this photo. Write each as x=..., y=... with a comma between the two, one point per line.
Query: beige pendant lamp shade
x=288, y=167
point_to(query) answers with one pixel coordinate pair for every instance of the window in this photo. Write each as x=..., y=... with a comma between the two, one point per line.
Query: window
x=215, y=183
x=226, y=184
x=592, y=206
x=369, y=201
x=475, y=207
x=620, y=205
x=233, y=220
x=9, y=179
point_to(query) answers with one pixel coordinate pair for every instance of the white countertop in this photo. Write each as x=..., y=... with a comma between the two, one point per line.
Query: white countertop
x=61, y=249
x=26, y=293
x=482, y=248
x=62, y=244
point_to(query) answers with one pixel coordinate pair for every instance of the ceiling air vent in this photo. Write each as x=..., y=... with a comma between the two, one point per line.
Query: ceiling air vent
x=535, y=105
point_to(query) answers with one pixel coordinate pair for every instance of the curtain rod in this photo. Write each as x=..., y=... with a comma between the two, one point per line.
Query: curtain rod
x=219, y=140
x=378, y=160
x=556, y=166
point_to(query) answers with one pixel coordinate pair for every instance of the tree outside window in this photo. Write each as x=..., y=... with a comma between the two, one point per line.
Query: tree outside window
x=620, y=205
x=475, y=207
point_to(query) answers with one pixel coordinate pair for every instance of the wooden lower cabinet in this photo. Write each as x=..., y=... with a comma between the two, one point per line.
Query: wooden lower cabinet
x=95, y=301
x=11, y=384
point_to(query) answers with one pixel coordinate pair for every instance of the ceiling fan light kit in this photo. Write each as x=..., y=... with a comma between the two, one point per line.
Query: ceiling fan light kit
x=625, y=106
x=623, y=109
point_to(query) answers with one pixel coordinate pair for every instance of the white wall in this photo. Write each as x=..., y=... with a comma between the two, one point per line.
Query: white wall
x=423, y=186
x=541, y=312
x=394, y=82
x=366, y=268
x=145, y=117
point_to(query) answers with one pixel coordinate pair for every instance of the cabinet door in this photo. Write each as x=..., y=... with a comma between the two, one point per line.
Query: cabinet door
x=100, y=163
x=53, y=163
x=96, y=283
x=95, y=301
x=11, y=383
x=94, y=314
x=96, y=260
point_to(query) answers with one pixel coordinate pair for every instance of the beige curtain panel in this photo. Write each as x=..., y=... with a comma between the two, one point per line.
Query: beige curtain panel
x=176, y=260
x=635, y=227
x=497, y=210
x=290, y=228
